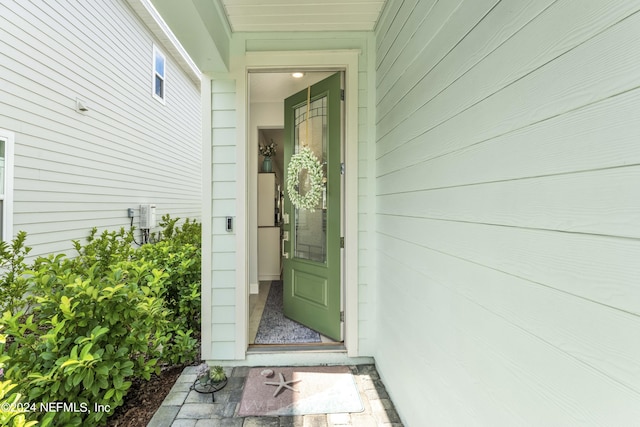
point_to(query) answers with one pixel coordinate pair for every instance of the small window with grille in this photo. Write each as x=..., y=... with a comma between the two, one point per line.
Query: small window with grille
x=159, y=66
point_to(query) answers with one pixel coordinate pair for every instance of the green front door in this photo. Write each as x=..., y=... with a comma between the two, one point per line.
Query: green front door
x=312, y=233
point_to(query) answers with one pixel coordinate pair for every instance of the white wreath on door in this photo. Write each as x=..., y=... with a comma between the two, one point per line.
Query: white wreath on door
x=305, y=159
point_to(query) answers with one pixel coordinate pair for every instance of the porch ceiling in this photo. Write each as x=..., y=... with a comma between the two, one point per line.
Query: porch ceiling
x=205, y=27
x=302, y=15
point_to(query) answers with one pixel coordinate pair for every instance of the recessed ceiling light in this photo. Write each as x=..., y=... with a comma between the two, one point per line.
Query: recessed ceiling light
x=297, y=75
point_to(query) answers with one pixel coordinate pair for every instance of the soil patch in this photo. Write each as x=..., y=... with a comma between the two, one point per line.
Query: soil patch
x=144, y=398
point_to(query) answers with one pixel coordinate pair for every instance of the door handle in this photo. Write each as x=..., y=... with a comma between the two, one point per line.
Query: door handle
x=285, y=238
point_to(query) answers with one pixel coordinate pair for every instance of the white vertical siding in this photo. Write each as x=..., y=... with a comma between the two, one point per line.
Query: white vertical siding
x=75, y=170
x=223, y=244
x=508, y=215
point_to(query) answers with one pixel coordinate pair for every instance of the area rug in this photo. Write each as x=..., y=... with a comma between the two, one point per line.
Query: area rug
x=275, y=328
x=299, y=391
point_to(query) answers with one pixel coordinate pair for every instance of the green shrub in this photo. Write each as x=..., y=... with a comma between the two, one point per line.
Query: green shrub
x=12, y=412
x=80, y=329
x=13, y=286
x=103, y=251
x=176, y=251
x=86, y=336
x=182, y=265
x=189, y=232
x=181, y=347
x=179, y=254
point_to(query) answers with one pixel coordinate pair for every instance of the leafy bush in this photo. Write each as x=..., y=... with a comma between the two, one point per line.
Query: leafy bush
x=102, y=252
x=87, y=336
x=13, y=286
x=190, y=232
x=96, y=321
x=179, y=253
x=182, y=265
x=11, y=410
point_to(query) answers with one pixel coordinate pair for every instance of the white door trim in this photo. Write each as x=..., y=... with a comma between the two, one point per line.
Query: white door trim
x=346, y=60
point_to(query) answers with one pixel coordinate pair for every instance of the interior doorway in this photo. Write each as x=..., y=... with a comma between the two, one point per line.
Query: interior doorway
x=267, y=93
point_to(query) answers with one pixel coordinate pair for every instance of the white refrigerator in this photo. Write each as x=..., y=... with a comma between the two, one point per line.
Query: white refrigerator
x=268, y=231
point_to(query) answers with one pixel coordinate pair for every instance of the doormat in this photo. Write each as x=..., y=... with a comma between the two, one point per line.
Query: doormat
x=275, y=328
x=299, y=391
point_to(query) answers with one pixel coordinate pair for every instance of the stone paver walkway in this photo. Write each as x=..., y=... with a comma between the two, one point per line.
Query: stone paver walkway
x=184, y=407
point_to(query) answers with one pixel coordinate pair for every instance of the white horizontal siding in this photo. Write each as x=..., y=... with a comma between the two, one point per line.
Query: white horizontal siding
x=602, y=203
x=75, y=171
x=507, y=174
x=223, y=204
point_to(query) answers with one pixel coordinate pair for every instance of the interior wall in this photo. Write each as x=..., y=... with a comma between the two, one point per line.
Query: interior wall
x=261, y=115
x=507, y=165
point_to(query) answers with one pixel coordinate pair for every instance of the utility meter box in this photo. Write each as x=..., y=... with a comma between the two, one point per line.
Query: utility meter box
x=147, y=216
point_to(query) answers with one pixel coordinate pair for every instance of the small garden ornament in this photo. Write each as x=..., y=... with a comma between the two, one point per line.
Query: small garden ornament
x=209, y=380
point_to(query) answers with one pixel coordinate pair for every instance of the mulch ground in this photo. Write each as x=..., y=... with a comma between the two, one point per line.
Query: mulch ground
x=144, y=398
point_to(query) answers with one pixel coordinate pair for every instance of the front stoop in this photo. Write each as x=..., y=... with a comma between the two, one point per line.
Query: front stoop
x=184, y=407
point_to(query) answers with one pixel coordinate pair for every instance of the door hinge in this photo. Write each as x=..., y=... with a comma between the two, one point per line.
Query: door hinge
x=342, y=316
x=342, y=242
x=341, y=168
x=341, y=94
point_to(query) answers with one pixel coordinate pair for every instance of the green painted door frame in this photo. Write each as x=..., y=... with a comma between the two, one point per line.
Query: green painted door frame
x=311, y=268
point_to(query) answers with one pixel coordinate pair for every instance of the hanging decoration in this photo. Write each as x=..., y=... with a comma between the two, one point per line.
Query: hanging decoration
x=305, y=159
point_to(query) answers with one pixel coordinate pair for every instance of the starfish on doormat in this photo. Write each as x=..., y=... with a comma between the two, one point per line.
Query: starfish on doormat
x=283, y=384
